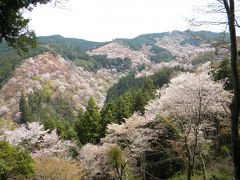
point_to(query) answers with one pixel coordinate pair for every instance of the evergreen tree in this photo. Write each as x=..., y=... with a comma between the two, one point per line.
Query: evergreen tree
x=88, y=126
x=124, y=107
x=149, y=88
x=92, y=121
x=140, y=102
x=107, y=116
x=15, y=163
x=78, y=126
x=25, y=110
x=223, y=72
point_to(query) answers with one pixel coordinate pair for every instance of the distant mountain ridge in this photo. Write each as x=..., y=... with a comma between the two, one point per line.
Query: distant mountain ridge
x=80, y=69
x=149, y=46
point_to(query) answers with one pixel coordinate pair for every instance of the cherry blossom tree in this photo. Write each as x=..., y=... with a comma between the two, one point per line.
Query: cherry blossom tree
x=93, y=159
x=139, y=135
x=192, y=100
x=40, y=142
x=132, y=133
x=104, y=161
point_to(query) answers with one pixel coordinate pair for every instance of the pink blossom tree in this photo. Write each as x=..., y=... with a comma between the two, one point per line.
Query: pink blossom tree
x=141, y=134
x=40, y=142
x=192, y=100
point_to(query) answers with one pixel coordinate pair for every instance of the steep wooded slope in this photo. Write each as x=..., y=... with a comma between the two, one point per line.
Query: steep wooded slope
x=52, y=73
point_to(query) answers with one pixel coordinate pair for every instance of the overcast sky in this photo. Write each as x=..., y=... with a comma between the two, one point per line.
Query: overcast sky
x=104, y=20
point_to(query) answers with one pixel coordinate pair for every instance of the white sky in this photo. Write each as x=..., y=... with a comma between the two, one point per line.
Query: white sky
x=104, y=20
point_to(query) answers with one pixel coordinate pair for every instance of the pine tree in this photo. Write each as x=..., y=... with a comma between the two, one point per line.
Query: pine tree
x=15, y=162
x=78, y=126
x=124, y=107
x=88, y=125
x=149, y=88
x=140, y=102
x=25, y=110
x=107, y=116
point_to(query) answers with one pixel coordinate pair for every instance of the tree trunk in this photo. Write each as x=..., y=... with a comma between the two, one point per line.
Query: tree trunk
x=3, y=176
x=230, y=9
x=189, y=171
x=143, y=166
x=203, y=166
x=189, y=163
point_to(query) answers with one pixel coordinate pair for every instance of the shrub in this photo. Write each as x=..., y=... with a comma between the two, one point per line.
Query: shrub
x=15, y=162
x=57, y=168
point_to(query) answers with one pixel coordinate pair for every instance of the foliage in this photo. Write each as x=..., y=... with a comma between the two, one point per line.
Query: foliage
x=219, y=169
x=131, y=94
x=96, y=62
x=6, y=125
x=24, y=109
x=88, y=124
x=126, y=83
x=10, y=60
x=136, y=43
x=14, y=162
x=192, y=101
x=146, y=141
x=99, y=162
x=118, y=162
x=108, y=114
x=202, y=58
x=223, y=72
x=57, y=168
x=160, y=55
x=161, y=160
x=129, y=102
x=195, y=37
x=53, y=113
x=131, y=83
x=69, y=48
x=14, y=27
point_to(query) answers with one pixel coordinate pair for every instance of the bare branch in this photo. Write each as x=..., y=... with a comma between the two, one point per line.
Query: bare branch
x=236, y=24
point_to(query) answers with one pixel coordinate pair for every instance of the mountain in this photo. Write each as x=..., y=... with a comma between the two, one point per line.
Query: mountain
x=80, y=69
x=50, y=72
x=164, y=49
x=144, y=49
x=139, y=104
x=69, y=48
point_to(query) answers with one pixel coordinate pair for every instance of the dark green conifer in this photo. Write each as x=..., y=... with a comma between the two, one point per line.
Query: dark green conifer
x=88, y=126
x=25, y=110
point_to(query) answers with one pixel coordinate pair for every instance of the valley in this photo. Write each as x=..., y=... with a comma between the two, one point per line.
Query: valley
x=153, y=106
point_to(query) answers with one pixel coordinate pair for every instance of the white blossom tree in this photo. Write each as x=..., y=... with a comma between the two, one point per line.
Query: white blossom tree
x=132, y=133
x=192, y=100
x=139, y=135
x=93, y=159
x=40, y=142
x=104, y=161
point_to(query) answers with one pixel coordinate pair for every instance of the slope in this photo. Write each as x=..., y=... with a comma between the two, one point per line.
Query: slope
x=53, y=73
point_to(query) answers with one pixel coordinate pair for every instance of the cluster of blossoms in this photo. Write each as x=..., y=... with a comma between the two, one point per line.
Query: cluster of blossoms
x=134, y=133
x=194, y=98
x=40, y=142
x=94, y=159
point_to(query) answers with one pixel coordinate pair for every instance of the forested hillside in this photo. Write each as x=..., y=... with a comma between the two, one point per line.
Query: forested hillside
x=152, y=107
x=138, y=53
